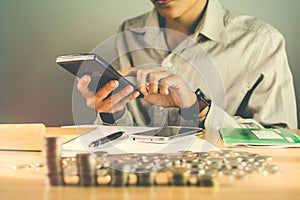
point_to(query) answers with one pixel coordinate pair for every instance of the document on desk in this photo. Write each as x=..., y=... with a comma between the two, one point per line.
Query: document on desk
x=125, y=145
x=254, y=137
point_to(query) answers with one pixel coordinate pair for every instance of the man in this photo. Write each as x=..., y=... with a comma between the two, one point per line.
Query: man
x=245, y=80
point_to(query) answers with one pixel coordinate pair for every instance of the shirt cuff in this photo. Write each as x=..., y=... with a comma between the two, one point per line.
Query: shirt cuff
x=124, y=120
x=217, y=118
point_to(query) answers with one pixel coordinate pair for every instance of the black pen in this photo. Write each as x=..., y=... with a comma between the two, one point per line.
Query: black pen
x=106, y=139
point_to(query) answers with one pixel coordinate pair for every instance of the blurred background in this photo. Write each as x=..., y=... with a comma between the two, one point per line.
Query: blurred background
x=34, y=32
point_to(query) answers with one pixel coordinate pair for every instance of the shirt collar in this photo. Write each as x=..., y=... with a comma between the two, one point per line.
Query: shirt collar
x=149, y=26
x=211, y=25
x=150, y=21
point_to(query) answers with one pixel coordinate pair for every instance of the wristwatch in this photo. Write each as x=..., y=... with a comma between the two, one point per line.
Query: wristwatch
x=203, y=101
x=194, y=111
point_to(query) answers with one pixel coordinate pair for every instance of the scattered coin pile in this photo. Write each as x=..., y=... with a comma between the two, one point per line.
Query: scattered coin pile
x=183, y=168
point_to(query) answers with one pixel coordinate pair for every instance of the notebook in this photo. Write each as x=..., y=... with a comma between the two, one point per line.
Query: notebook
x=259, y=137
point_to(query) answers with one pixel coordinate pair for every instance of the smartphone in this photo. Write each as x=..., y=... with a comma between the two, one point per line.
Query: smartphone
x=100, y=71
x=164, y=134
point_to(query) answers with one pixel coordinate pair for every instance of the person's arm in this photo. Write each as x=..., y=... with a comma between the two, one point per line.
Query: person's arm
x=272, y=102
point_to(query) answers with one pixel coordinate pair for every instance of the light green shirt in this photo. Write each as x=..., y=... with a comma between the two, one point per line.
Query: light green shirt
x=246, y=71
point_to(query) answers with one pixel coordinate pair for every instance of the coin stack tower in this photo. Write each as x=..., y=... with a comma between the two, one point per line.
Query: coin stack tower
x=52, y=159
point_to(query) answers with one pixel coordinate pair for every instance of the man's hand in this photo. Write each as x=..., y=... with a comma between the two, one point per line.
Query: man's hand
x=100, y=100
x=164, y=88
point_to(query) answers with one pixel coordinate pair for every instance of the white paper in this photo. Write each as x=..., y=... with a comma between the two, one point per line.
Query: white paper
x=124, y=145
x=266, y=134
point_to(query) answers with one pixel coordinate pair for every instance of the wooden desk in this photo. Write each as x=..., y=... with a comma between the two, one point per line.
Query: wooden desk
x=31, y=183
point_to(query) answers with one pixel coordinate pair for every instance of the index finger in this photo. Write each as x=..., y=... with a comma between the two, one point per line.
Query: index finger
x=103, y=92
x=128, y=71
x=142, y=77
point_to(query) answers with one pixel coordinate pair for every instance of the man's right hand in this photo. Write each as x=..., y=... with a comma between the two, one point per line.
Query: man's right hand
x=100, y=100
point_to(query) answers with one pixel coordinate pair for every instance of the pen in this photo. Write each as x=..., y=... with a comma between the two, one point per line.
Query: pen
x=106, y=139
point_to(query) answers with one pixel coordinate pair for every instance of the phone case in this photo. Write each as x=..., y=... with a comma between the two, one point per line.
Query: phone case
x=100, y=71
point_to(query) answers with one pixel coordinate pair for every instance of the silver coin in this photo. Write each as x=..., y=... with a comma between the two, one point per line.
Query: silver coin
x=239, y=176
x=263, y=158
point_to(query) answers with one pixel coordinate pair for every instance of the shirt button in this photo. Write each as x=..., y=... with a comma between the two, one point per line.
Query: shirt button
x=160, y=108
x=169, y=64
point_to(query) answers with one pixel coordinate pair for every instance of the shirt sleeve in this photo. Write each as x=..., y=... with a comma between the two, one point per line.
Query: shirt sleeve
x=272, y=102
x=125, y=120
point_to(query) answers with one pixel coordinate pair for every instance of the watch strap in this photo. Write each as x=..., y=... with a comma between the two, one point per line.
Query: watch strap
x=194, y=111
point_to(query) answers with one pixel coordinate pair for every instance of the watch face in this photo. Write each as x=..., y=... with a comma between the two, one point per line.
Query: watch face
x=201, y=97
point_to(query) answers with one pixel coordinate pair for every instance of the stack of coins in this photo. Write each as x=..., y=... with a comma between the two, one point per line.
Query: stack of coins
x=145, y=175
x=119, y=172
x=180, y=176
x=52, y=158
x=86, y=165
x=207, y=179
